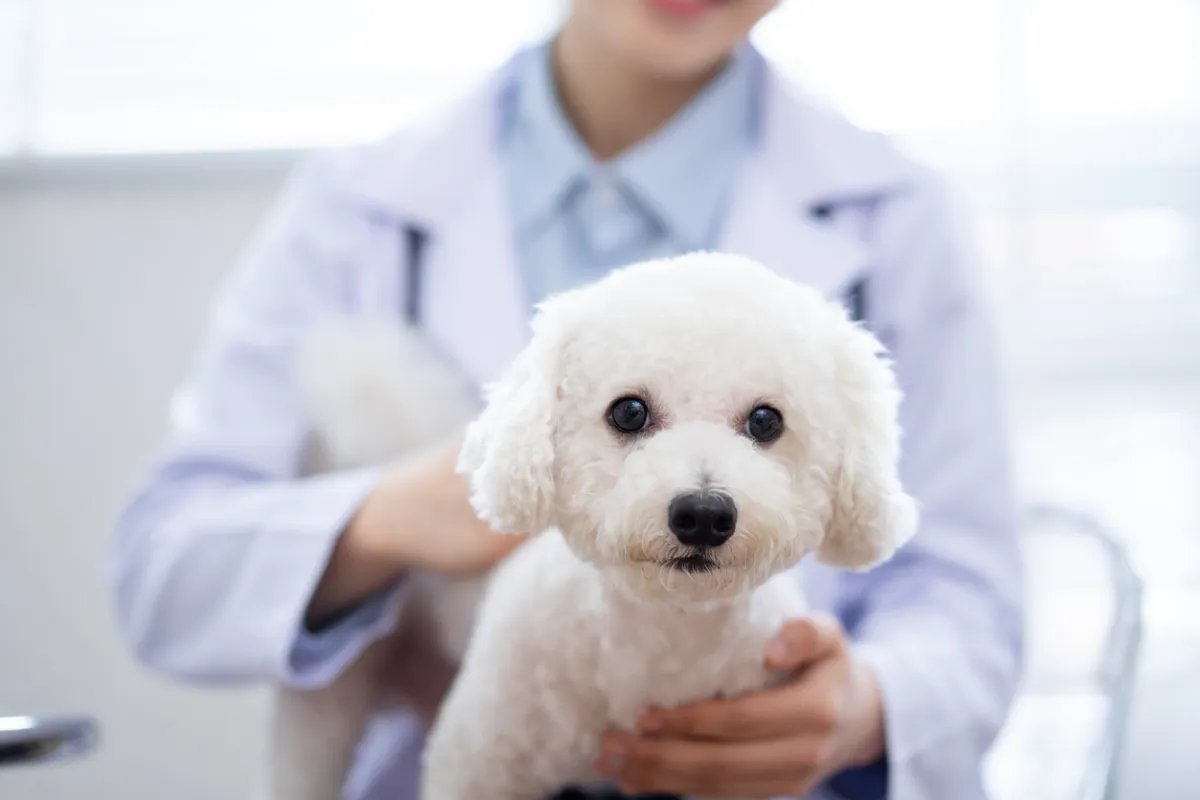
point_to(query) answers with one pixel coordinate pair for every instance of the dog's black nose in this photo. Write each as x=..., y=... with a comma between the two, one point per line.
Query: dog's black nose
x=702, y=519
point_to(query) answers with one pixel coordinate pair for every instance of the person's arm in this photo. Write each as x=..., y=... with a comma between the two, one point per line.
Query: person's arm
x=418, y=516
x=222, y=547
x=941, y=624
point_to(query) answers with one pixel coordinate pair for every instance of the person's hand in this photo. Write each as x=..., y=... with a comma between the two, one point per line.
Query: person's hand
x=779, y=742
x=418, y=516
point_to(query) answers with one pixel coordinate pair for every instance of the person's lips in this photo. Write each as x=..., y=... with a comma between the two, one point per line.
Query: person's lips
x=683, y=9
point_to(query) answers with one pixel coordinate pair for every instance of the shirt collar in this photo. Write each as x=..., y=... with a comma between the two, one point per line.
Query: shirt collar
x=809, y=152
x=685, y=170
x=535, y=130
x=662, y=170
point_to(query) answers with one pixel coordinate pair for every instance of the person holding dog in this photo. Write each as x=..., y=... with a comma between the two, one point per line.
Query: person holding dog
x=641, y=128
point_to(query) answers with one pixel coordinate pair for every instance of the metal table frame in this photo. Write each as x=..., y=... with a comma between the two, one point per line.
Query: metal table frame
x=1115, y=675
x=35, y=740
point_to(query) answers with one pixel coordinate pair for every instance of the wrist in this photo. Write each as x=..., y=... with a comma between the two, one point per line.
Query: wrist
x=381, y=535
x=868, y=732
x=360, y=564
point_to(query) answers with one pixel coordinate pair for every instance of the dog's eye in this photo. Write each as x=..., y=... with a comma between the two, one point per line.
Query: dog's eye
x=629, y=415
x=764, y=425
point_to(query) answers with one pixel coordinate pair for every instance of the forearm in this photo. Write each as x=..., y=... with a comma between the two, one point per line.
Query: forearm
x=358, y=569
x=377, y=545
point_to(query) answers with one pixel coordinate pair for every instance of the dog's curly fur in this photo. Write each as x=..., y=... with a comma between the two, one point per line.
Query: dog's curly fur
x=593, y=620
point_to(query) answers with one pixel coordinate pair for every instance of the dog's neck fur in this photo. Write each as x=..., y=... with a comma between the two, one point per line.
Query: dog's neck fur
x=683, y=652
x=675, y=611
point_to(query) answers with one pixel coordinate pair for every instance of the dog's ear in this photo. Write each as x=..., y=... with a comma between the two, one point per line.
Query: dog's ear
x=871, y=515
x=508, y=452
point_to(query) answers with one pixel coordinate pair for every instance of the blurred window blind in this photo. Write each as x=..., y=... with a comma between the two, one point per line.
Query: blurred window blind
x=964, y=76
x=977, y=75
x=81, y=76
x=130, y=76
x=1076, y=123
x=14, y=41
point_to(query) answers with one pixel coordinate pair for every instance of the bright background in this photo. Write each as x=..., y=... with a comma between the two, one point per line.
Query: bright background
x=140, y=141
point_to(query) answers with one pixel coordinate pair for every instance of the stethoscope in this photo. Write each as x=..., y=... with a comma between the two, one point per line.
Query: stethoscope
x=414, y=240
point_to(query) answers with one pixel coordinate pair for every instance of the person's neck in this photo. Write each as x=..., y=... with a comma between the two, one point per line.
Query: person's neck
x=612, y=106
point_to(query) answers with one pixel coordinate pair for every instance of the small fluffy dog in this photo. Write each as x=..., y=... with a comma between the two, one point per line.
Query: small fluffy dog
x=678, y=436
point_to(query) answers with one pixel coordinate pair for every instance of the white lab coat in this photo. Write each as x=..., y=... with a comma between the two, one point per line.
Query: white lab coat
x=220, y=549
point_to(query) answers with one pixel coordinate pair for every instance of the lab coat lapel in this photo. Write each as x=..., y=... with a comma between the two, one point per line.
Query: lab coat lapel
x=808, y=157
x=448, y=180
x=473, y=290
x=773, y=230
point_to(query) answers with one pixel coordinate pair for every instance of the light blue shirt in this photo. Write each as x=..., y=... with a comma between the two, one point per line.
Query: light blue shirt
x=575, y=218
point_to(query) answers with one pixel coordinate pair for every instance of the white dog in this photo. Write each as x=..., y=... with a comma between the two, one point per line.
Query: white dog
x=679, y=436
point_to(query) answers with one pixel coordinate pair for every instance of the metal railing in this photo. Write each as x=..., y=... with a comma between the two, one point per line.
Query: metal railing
x=1065, y=738
x=1116, y=673
x=30, y=740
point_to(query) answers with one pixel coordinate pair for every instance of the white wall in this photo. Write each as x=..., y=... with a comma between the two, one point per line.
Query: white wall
x=105, y=273
x=104, y=281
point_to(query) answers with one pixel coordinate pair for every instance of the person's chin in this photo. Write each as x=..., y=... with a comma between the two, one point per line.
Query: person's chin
x=670, y=55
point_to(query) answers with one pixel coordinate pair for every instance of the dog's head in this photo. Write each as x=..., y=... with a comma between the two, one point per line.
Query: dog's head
x=694, y=426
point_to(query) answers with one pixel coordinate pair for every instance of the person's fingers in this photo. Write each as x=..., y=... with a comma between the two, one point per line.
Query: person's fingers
x=762, y=715
x=801, y=641
x=806, y=705
x=710, y=768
